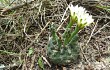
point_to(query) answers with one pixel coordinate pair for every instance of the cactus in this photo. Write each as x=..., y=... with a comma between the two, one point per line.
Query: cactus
x=63, y=48
x=59, y=53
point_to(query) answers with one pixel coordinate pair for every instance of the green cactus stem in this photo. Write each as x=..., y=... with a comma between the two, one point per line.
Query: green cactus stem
x=74, y=33
x=68, y=39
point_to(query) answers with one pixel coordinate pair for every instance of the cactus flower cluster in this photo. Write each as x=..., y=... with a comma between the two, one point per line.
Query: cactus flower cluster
x=81, y=16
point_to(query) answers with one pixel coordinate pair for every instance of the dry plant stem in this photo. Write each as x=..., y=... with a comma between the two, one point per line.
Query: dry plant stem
x=38, y=14
x=37, y=23
x=12, y=2
x=9, y=66
x=12, y=15
x=83, y=54
x=15, y=7
x=38, y=35
x=24, y=65
x=25, y=30
x=101, y=28
x=32, y=63
x=46, y=61
x=98, y=50
x=62, y=24
x=9, y=53
x=92, y=33
x=11, y=27
x=101, y=17
x=62, y=19
x=2, y=16
x=105, y=38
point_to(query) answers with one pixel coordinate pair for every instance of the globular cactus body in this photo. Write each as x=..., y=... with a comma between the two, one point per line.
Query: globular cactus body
x=63, y=54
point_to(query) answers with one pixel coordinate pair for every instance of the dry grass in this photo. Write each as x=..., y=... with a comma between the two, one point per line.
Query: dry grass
x=28, y=27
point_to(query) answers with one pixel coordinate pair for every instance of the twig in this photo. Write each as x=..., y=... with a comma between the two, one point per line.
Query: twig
x=91, y=33
x=101, y=28
x=3, y=15
x=83, y=54
x=9, y=66
x=32, y=63
x=46, y=61
x=62, y=19
x=25, y=31
x=38, y=34
x=10, y=53
x=101, y=17
x=15, y=7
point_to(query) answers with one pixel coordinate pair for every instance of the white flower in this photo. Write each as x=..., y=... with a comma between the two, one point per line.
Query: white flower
x=83, y=18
